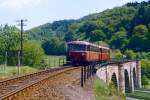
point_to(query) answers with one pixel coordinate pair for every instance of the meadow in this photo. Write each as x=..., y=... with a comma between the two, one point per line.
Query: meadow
x=11, y=71
x=55, y=61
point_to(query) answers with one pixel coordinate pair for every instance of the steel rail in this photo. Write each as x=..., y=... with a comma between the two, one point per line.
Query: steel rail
x=19, y=90
x=22, y=77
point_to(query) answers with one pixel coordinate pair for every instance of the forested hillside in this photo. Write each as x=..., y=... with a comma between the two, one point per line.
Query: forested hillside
x=123, y=28
x=48, y=30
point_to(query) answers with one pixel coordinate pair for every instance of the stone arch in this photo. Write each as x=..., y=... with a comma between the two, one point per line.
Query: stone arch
x=127, y=81
x=114, y=80
x=134, y=78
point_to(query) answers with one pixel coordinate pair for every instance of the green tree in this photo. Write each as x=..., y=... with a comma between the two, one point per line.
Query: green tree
x=2, y=43
x=54, y=46
x=139, y=38
x=70, y=37
x=119, y=40
x=9, y=41
x=88, y=27
x=11, y=37
x=147, y=55
x=130, y=54
x=97, y=35
x=145, y=80
x=2, y=48
x=102, y=43
x=33, y=54
x=118, y=54
x=145, y=68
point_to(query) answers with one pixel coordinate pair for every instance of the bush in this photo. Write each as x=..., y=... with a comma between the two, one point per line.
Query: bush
x=145, y=80
x=145, y=68
x=143, y=55
x=130, y=54
x=145, y=63
x=118, y=54
x=13, y=72
x=33, y=54
x=1, y=58
x=100, y=88
x=104, y=91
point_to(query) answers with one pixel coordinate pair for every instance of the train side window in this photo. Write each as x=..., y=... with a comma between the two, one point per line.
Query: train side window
x=105, y=51
x=97, y=49
x=76, y=47
x=91, y=48
x=88, y=47
x=94, y=49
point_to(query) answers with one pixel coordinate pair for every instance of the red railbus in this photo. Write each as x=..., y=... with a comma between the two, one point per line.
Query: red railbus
x=79, y=52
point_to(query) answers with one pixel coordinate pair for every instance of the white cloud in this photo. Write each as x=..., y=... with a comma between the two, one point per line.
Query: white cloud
x=19, y=3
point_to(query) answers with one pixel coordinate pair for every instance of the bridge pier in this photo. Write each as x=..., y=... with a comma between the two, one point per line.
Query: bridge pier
x=131, y=79
x=138, y=65
x=121, y=78
x=107, y=80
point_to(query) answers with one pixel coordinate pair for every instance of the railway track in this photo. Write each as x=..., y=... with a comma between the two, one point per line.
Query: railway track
x=22, y=85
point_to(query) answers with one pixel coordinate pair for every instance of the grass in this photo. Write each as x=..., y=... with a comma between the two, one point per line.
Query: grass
x=147, y=87
x=104, y=91
x=50, y=61
x=139, y=95
x=55, y=61
x=10, y=71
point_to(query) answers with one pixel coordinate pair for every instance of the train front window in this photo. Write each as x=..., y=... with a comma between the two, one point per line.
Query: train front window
x=76, y=47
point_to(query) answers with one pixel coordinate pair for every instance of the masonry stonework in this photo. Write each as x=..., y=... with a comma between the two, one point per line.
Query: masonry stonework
x=133, y=70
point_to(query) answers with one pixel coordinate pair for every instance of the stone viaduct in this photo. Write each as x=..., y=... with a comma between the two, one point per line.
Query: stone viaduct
x=126, y=76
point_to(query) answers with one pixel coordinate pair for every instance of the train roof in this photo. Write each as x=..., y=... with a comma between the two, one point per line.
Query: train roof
x=87, y=43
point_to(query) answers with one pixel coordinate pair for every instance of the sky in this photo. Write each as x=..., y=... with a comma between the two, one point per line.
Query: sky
x=39, y=12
